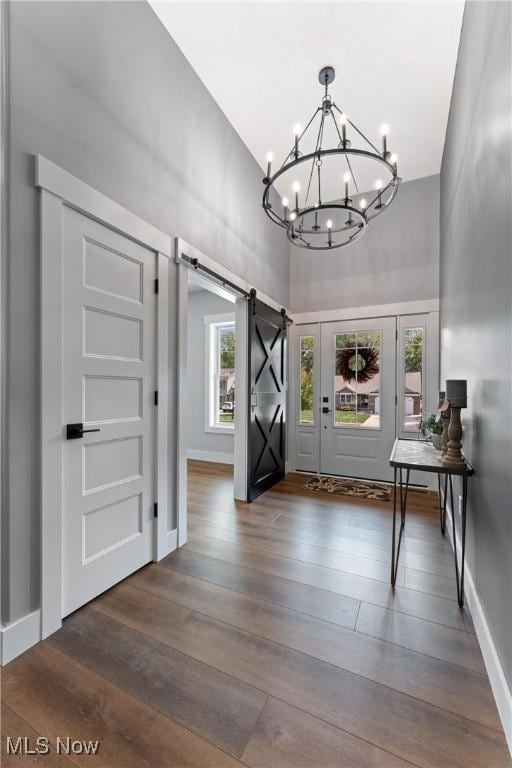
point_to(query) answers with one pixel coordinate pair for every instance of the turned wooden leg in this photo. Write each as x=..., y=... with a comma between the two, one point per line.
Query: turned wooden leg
x=444, y=436
x=453, y=456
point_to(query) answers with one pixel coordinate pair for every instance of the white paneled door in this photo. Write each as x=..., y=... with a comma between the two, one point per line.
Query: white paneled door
x=108, y=391
x=358, y=392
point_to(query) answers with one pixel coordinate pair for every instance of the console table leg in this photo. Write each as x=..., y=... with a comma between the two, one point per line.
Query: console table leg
x=463, y=536
x=459, y=576
x=442, y=502
x=394, y=529
x=395, y=548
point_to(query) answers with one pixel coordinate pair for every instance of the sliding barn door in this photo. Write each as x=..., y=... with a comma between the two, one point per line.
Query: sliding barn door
x=267, y=398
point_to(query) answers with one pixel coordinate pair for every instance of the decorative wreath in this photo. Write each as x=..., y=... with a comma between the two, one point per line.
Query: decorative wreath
x=361, y=362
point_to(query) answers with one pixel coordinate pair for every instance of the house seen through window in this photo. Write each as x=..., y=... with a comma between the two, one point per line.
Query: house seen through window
x=222, y=374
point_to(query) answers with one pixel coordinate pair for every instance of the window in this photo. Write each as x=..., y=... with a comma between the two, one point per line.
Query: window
x=413, y=346
x=306, y=380
x=221, y=345
x=357, y=380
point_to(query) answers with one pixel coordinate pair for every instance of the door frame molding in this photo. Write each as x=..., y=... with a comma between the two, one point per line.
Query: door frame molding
x=418, y=307
x=58, y=190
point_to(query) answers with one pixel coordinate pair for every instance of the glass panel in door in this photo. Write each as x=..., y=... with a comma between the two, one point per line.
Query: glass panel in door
x=357, y=379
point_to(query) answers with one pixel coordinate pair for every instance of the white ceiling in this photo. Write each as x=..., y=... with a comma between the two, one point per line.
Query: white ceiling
x=394, y=62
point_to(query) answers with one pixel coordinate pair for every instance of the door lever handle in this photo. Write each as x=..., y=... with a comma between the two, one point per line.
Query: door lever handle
x=325, y=409
x=76, y=431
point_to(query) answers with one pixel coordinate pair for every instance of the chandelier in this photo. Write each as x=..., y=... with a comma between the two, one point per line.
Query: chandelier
x=329, y=179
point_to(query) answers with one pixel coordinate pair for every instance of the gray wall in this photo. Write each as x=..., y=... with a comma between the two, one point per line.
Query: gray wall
x=476, y=290
x=200, y=304
x=396, y=260
x=102, y=90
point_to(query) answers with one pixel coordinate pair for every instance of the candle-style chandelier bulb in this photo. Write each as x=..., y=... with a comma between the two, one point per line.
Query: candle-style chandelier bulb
x=344, y=143
x=318, y=207
x=384, y=130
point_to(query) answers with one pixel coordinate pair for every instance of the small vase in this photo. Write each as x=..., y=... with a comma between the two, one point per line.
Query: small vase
x=437, y=442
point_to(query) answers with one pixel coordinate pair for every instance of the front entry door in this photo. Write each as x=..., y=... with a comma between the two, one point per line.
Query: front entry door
x=267, y=398
x=357, y=419
x=108, y=384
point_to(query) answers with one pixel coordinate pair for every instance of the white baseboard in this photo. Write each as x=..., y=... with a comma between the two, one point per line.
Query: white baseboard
x=215, y=456
x=19, y=636
x=500, y=689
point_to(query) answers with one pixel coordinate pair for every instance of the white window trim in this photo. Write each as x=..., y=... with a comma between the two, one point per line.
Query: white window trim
x=211, y=324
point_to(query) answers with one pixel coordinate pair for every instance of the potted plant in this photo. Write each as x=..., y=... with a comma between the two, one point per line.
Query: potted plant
x=433, y=425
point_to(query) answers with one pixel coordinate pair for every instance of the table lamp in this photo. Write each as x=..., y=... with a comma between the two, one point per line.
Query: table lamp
x=456, y=395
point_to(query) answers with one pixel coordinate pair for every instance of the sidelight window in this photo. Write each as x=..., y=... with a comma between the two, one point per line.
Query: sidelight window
x=306, y=380
x=412, y=379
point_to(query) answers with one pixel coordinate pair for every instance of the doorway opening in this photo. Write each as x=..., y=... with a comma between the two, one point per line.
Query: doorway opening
x=211, y=384
x=228, y=416
x=358, y=385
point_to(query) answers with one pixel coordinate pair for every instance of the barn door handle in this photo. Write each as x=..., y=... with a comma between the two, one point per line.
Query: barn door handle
x=76, y=431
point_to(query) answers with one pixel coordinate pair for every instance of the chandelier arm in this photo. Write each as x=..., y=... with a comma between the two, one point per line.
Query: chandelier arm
x=346, y=157
x=310, y=180
x=292, y=150
x=354, y=126
x=320, y=134
x=317, y=148
x=377, y=212
x=352, y=173
x=340, y=137
x=380, y=193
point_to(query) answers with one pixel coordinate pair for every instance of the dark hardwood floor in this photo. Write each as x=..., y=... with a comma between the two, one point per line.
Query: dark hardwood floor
x=272, y=639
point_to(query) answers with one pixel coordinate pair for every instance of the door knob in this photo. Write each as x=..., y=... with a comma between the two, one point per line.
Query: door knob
x=76, y=431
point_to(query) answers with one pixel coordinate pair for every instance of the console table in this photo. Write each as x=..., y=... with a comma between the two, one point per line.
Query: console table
x=420, y=455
